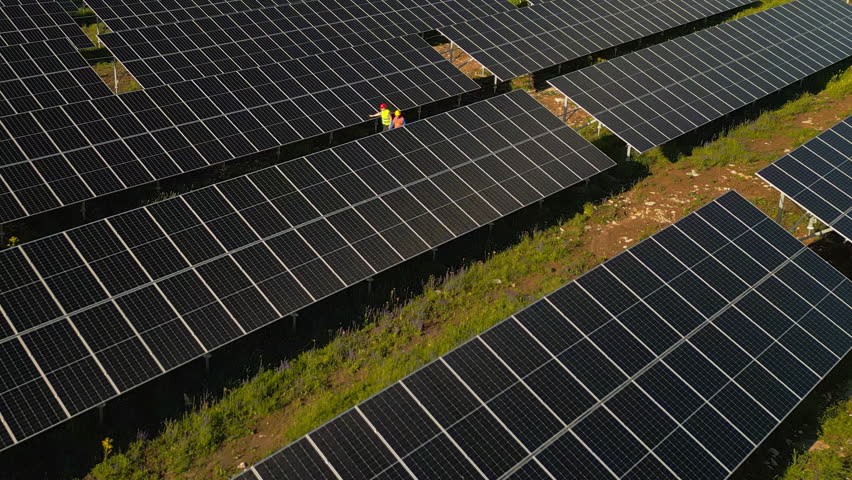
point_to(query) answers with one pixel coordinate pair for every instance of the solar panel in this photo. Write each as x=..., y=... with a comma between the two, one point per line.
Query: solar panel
x=30, y=21
x=517, y=42
x=818, y=177
x=659, y=93
x=127, y=15
x=44, y=74
x=64, y=155
x=209, y=46
x=107, y=306
x=674, y=359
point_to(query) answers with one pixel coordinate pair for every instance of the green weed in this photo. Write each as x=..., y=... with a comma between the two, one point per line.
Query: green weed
x=833, y=462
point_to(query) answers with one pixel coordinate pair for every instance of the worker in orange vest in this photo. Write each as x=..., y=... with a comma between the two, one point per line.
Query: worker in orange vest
x=386, y=116
x=398, y=120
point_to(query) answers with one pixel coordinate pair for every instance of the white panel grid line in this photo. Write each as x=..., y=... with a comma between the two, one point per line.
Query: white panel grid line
x=239, y=267
x=441, y=427
x=324, y=459
x=277, y=257
x=385, y=443
x=348, y=244
x=74, y=327
x=71, y=324
x=157, y=288
x=198, y=275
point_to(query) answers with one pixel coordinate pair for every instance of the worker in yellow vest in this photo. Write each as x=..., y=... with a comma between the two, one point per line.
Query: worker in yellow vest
x=386, y=115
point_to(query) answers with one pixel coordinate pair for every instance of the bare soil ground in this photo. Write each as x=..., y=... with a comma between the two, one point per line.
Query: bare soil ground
x=555, y=102
x=463, y=61
x=674, y=189
x=126, y=81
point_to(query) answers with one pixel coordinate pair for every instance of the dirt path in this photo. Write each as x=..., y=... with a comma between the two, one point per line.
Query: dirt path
x=675, y=189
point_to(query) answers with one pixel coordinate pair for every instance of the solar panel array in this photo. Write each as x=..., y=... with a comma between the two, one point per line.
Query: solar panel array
x=818, y=177
x=131, y=14
x=31, y=21
x=44, y=74
x=661, y=92
x=209, y=46
x=63, y=155
x=521, y=41
x=672, y=360
x=94, y=311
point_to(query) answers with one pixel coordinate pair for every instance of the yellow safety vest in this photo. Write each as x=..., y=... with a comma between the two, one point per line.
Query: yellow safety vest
x=386, y=117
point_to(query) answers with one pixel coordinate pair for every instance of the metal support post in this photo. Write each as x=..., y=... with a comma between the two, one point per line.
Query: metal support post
x=564, y=109
x=798, y=222
x=599, y=128
x=278, y=153
x=559, y=69
x=458, y=104
x=495, y=83
x=101, y=414
x=294, y=316
x=780, y=217
x=419, y=112
x=115, y=72
x=434, y=253
x=629, y=149
x=207, y=362
x=811, y=222
x=816, y=234
x=83, y=210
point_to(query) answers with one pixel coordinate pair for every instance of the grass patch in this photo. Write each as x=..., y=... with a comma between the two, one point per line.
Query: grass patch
x=322, y=383
x=830, y=459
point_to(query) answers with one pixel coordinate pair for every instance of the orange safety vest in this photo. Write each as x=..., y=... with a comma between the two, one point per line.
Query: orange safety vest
x=398, y=121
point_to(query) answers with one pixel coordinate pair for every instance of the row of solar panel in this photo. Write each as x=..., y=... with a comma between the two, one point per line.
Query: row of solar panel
x=45, y=74
x=83, y=158
x=142, y=292
x=673, y=360
x=818, y=176
x=66, y=154
x=521, y=41
x=23, y=22
x=198, y=48
x=661, y=92
x=122, y=15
